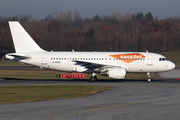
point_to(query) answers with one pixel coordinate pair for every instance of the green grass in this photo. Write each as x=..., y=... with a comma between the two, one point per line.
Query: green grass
x=10, y=63
x=19, y=94
x=27, y=74
x=136, y=76
x=172, y=56
x=50, y=75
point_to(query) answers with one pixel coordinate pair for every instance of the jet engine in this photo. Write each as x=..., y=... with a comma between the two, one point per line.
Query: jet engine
x=116, y=73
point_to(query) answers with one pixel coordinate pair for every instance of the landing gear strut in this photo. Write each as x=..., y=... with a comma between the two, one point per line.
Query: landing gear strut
x=93, y=78
x=149, y=76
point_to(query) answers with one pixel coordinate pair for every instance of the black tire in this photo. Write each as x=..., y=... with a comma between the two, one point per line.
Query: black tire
x=93, y=79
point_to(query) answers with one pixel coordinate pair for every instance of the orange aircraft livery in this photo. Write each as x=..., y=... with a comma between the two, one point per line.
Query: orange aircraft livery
x=128, y=58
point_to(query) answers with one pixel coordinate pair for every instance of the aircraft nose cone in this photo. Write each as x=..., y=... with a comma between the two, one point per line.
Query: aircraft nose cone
x=172, y=66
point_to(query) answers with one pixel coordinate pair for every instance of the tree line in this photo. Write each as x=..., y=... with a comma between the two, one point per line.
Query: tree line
x=66, y=31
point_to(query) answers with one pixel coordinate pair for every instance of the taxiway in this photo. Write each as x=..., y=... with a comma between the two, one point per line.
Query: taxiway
x=129, y=100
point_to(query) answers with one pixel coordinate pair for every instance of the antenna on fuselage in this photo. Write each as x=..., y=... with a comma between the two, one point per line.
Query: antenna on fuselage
x=72, y=50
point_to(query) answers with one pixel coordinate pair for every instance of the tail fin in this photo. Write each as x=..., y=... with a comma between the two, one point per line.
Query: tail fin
x=22, y=40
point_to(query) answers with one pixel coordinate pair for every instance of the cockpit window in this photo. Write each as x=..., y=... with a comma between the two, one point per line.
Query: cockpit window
x=163, y=59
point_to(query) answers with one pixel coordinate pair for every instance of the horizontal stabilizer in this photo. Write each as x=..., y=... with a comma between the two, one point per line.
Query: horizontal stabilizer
x=17, y=57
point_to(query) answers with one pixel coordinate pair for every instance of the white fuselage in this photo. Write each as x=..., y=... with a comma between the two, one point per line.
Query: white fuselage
x=67, y=61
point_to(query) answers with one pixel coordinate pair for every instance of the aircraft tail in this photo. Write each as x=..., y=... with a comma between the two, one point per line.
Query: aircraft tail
x=22, y=40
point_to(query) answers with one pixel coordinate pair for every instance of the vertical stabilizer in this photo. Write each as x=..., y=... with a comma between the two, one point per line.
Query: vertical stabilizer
x=22, y=40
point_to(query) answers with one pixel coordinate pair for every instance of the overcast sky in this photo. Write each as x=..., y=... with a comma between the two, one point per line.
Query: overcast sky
x=39, y=9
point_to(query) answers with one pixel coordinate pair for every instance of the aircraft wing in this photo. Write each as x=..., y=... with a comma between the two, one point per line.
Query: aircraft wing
x=97, y=66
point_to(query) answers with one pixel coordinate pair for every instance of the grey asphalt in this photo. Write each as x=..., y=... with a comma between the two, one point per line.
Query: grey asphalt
x=129, y=100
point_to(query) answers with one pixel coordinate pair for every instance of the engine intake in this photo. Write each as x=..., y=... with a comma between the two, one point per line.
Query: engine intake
x=116, y=73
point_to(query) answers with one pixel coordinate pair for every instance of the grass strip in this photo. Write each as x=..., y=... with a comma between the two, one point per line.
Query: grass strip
x=50, y=75
x=20, y=94
x=11, y=63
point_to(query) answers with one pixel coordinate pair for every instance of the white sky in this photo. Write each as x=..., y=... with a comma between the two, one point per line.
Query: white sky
x=39, y=9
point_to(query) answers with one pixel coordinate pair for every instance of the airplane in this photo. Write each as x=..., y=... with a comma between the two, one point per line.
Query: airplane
x=112, y=64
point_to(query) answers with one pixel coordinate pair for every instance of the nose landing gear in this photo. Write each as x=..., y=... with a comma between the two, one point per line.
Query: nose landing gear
x=149, y=76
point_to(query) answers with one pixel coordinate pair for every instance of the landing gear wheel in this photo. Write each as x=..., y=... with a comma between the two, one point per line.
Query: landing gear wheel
x=149, y=76
x=93, y=79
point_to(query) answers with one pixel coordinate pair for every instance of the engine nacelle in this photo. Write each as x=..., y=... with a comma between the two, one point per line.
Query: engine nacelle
x=117, y=73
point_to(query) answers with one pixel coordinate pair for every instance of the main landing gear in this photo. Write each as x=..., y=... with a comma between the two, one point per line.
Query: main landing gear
x=149, y=76
x=93, y=78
